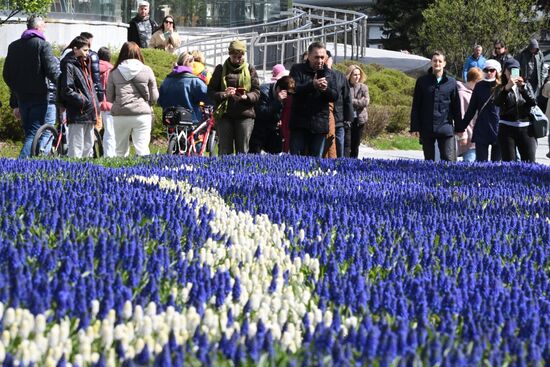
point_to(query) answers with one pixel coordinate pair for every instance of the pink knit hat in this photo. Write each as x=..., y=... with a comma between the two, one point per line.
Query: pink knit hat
x=278, y=72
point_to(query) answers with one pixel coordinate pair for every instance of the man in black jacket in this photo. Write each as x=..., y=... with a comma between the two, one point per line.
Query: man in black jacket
x=94, y=65
x=29, y=63
x=315, y=89
x=141, y=26
x=435, y=106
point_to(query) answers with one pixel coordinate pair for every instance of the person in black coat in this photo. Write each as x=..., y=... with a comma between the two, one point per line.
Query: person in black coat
x=315, y=89
x=94, y=65
x=515, y=97
x=343, y=112
x=435, y=108
x=78, y=96
x=141, y=27
x=28, y=66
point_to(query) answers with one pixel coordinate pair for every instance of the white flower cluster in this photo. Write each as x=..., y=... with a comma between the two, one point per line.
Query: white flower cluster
x=304, y=175
x=287, y=304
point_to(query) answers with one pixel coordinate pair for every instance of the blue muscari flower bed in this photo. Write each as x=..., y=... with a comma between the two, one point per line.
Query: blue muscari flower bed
x=403, y=263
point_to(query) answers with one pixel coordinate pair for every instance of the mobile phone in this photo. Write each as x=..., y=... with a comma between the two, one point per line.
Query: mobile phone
x=240, y=91
x=320, y=73
x=514, y=72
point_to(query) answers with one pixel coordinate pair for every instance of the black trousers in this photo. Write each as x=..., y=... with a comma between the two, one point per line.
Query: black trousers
x=482, y=152
x=355, y=133
x=510, y=137
x=446, y=144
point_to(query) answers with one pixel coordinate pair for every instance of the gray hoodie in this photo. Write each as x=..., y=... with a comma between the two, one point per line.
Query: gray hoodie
x=132, y=89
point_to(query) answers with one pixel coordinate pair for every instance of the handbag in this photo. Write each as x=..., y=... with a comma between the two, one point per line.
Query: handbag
x=539, y=121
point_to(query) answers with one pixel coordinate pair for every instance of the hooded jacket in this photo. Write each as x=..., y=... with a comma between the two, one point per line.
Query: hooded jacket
x=132, y=89
x=310, y=106
x=76, y=91
x=435, y=106
x=465, y=95
x=28, y=64
x=524, y=58
x=182, y=88
x=105, y=68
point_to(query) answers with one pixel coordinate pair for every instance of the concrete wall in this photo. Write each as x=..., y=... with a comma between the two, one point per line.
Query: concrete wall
x=61, y=32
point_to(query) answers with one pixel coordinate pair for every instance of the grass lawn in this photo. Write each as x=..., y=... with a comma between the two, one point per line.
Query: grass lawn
x=394, y=142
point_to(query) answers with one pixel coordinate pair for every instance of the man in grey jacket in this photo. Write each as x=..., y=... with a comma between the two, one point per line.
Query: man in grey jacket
x=531, y=61
x=29, y=63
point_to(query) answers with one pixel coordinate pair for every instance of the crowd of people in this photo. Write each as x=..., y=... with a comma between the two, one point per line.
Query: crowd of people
x=489, y=111
x=311, y=109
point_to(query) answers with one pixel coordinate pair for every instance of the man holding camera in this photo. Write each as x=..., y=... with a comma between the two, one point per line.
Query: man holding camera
x=315, y=89
x=435, y=106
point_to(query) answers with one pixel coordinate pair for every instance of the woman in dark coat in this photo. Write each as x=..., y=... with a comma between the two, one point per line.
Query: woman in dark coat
x=77, y=94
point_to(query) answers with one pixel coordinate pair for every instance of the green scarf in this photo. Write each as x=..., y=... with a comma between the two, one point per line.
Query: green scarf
x=245, y=81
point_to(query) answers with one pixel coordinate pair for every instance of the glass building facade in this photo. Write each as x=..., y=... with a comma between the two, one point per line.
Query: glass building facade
x=189, y=13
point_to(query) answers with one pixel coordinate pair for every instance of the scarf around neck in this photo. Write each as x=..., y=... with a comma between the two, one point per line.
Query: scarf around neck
x=245, y=81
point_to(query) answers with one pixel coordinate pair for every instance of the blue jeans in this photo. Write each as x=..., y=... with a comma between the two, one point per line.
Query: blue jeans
x=340, y=133
x=302, y=142
x=469, y=155
x=33, y=115
x=50, y=119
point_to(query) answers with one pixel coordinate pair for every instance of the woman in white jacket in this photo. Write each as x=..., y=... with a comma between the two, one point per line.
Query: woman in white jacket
x=132, y=89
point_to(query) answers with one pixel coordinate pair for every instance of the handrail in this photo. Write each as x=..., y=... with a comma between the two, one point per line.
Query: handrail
x=310, y=23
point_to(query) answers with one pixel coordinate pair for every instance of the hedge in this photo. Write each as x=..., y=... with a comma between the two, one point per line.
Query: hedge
x=390, y=91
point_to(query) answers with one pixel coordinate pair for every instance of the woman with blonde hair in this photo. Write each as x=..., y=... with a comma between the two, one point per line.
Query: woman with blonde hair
x=199, y=66
x=359, y=93
x=166, y=37
x=132, y=89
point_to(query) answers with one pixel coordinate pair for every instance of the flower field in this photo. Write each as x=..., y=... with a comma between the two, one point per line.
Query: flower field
x=271, y=261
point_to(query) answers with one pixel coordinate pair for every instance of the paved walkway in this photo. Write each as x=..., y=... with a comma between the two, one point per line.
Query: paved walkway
x=367, y=152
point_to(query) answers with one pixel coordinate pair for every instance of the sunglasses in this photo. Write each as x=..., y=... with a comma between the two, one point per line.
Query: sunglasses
x=169, y=22
x=489, y=70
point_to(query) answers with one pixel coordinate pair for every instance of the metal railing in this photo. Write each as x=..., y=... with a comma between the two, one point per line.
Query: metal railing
x=284, y=41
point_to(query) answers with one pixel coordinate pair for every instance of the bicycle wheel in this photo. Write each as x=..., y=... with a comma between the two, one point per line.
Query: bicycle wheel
x=45, y=142
x=211, y=144
x=98, y=144
x=173, y=145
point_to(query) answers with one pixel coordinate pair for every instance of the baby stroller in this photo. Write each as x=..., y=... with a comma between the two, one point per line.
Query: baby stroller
x=185, y=136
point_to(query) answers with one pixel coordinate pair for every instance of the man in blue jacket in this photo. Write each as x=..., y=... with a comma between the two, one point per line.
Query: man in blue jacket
x=29, y=63
x=434, y=109
x=475, y=60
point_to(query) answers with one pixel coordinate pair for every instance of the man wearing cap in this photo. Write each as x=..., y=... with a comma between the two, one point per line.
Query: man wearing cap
x=315, y=90
x=141, y=26
x=531, y=61
x=235, y=89
x=29, y=65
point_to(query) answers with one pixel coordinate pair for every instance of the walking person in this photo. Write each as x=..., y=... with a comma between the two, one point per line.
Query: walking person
x=141, y=26
x=315, y=90
x=515, y=98
x=360, y=99
x=500, y=53
x=485, y=130
x=166, y=37
x=235, y=89
x=105, y=67
x=531, y=69
x=475, y=60
x=78, y=95
x=132, y=89
x=435, y=107
x=466, y=147
x=28, y=69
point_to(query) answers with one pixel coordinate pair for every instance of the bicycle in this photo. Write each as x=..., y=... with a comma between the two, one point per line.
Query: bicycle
x=187, y=138
x=51, y=141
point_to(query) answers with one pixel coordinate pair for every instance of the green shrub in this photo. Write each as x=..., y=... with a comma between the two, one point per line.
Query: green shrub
x=10, y=127
x=400, y=119
x=379, y=118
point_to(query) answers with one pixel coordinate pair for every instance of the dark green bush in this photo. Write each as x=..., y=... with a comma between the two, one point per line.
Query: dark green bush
x=10, y=127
